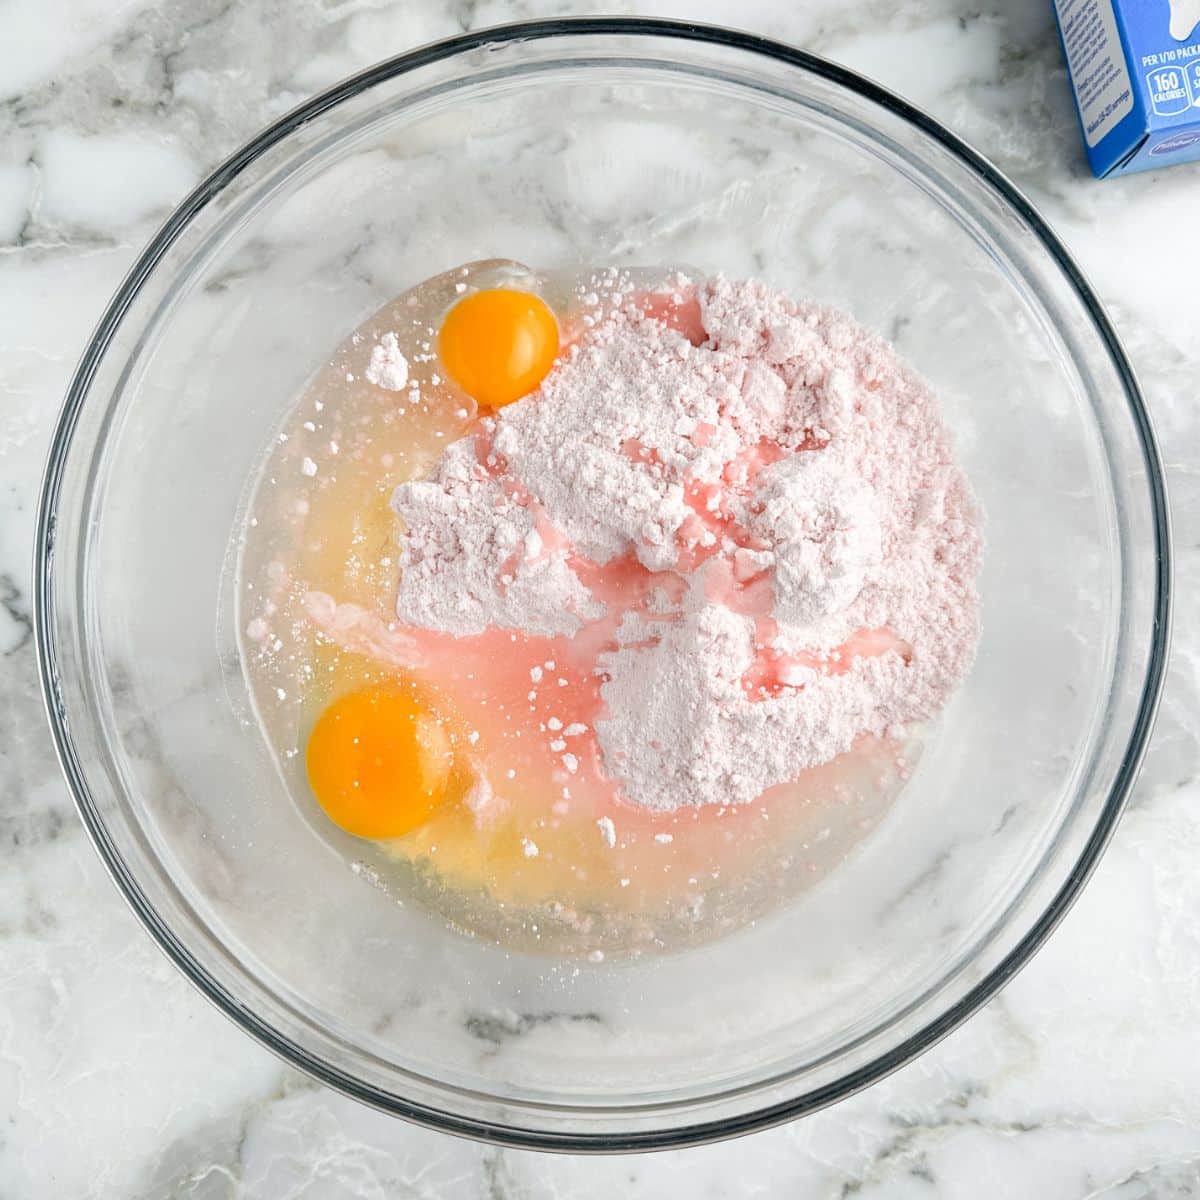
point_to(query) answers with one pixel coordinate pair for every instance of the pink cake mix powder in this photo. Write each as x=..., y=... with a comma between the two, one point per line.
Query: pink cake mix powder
x=730, y=523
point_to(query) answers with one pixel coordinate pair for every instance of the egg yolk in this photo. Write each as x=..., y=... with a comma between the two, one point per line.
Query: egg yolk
x=379, y=762
x=498, y=345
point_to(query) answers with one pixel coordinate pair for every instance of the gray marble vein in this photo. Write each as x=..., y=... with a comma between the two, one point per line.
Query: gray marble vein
x=117, y=1080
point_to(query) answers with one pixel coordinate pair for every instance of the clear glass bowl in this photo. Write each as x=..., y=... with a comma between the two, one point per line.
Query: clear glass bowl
x=611, y=142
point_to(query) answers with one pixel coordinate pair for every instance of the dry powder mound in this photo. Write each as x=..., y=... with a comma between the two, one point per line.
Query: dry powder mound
x=681, y=729
x=780, y=450
x=472, y=557
x=634, y=413
x=821, y=518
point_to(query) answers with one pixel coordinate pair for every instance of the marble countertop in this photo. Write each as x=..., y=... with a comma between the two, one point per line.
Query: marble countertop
x=116, y=1079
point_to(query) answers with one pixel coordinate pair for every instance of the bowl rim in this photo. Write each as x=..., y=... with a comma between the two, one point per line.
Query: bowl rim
x=515, y=1135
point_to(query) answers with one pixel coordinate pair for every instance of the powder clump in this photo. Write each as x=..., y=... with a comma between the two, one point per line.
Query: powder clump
x=388, y=368
x=471, y=557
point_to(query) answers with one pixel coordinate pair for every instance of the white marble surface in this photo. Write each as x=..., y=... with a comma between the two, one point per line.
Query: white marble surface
x=116, y=1079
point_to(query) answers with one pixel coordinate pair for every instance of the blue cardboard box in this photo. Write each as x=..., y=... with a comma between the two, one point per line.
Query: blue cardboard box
x=1135, y=67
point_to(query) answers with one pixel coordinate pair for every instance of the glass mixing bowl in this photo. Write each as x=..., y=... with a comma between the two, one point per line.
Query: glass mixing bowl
x=606, y=142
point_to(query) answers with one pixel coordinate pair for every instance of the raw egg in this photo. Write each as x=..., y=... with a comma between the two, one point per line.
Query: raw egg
x=379, y=762
x=499, y=344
